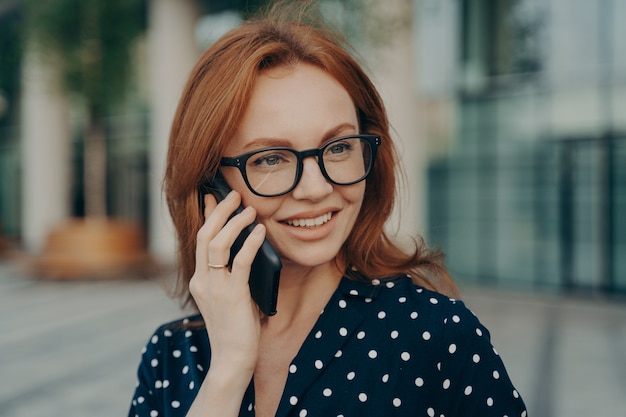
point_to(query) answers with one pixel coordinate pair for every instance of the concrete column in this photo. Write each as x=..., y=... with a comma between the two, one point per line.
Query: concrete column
x=46, y=166
x=394, y=74
x=172, y=53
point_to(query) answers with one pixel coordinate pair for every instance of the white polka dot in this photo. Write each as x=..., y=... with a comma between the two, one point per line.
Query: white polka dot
x=397, y=402
x=372, y=354
x=303, y=413
x=431, y=412
x=167, y=333
x=140, y=400
x=362, y=397
x=293, y=400
x=342, y=304
x=390, y=284
x=319, y=364
x=166, y=383
x=452, y=348
x=434, y=301
x=250, y=407
x=318, y=335
x=419, y=290
x=382, y=315
x=292, y=369
x=350, y=376
x=490, y=402
x=524, y=413
x=468, y=390
x=419, y=382
x=192, y=385
x=154, y=363
x=496, y=375
x=143, y=350
x=368, y=300
x=154, y=339
x=479, y=332
x=375, y=282
x=456, y=319
x=193, y=349
x=476, y=358
x=343, y=331
x=154, y=413
x=327, y=392
x=338, y=354
x=176, y=353
x=414, y=315
x=200, y=368
x=354, y=292
x=405, y=356
x=188, y=333
x=515, y=393
x=158, y=384
x=175, y=404
x=360, y=335
x=426, y=335
x=439, y=366
x=394, y=334
x=402, y=299
x=446, y=384
x=185, y=370
x=385, y=378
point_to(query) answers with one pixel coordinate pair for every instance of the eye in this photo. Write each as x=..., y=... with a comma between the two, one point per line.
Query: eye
x=339, y=148
x=271, y=159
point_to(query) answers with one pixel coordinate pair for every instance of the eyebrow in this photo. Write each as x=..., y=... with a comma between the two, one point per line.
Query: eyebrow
x=280, y=142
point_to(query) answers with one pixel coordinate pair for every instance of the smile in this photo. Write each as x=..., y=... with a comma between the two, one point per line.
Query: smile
x=313, y=222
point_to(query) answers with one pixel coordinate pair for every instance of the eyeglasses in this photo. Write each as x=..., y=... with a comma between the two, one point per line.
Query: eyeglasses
x=270, y=172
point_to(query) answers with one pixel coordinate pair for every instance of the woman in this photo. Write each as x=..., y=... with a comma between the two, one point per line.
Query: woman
x=363, y=328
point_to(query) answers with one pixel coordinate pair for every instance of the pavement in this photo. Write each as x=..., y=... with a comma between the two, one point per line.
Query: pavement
x=71, y=348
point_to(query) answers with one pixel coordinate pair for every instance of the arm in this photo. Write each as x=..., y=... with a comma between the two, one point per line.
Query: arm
x=223, y=297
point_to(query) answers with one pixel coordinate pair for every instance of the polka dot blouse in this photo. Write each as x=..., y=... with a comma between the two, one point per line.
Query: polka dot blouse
x=382, y=349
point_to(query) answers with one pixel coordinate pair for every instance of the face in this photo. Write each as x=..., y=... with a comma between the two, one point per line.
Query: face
x=300, y=107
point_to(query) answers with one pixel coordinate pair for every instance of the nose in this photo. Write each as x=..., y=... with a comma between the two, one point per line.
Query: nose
x=312, y=186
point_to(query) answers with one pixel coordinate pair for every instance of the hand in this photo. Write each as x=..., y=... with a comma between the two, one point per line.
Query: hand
x=223, y=297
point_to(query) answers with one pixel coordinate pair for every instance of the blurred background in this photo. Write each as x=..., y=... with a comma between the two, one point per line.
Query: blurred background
x=510, y=117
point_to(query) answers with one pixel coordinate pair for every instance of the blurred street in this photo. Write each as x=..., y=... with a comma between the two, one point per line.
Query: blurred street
x=71, y=349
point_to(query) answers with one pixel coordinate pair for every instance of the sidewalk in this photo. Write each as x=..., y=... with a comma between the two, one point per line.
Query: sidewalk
x=71, y=349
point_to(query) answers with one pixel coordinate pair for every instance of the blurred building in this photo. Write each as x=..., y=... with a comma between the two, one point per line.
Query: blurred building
x=527, y=184
x=510, y=116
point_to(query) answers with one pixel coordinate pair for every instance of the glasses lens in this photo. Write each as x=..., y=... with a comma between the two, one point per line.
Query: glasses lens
x=272, y=172
x=347, y=160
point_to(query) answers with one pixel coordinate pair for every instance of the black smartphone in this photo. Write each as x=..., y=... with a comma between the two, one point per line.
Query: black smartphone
x=265, y=271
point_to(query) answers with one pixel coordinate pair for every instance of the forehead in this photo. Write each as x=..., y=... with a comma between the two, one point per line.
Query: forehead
x=299, y=104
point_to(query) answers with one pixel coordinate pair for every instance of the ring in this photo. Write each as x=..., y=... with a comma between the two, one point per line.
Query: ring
x=216, y=266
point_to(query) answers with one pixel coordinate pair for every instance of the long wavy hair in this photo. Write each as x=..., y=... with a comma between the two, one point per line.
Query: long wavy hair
x=214, y=101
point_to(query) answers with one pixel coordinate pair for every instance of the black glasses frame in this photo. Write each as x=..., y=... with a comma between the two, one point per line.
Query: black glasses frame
x=239, y=161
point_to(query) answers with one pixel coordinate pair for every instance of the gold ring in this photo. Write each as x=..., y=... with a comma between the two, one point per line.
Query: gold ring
x=216, y=266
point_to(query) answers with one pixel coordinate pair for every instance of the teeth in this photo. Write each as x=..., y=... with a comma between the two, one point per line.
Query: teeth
x=317, y=221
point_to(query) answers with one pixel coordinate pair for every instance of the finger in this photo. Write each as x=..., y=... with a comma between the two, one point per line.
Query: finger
x=220, y=246
x=216, y=215
x=242, y=262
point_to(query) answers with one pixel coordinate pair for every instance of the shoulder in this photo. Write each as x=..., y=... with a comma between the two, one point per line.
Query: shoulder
x=429, y=315
x=177, y=338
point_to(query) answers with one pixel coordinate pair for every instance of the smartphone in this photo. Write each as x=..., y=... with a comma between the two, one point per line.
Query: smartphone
x=265, y=271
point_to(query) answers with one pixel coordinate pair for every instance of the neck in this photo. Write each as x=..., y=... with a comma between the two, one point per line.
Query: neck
x=304, y=292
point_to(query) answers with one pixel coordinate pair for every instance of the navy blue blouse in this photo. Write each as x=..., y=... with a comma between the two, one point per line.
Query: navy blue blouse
x=385, y=348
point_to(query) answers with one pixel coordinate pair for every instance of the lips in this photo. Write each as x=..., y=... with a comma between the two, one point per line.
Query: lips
x=311, y=221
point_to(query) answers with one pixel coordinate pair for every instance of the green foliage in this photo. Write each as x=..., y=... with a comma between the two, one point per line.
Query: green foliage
x=92, y=42
x=10, y=64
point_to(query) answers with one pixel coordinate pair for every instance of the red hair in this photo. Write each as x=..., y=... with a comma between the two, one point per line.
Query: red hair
x=214, y=101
